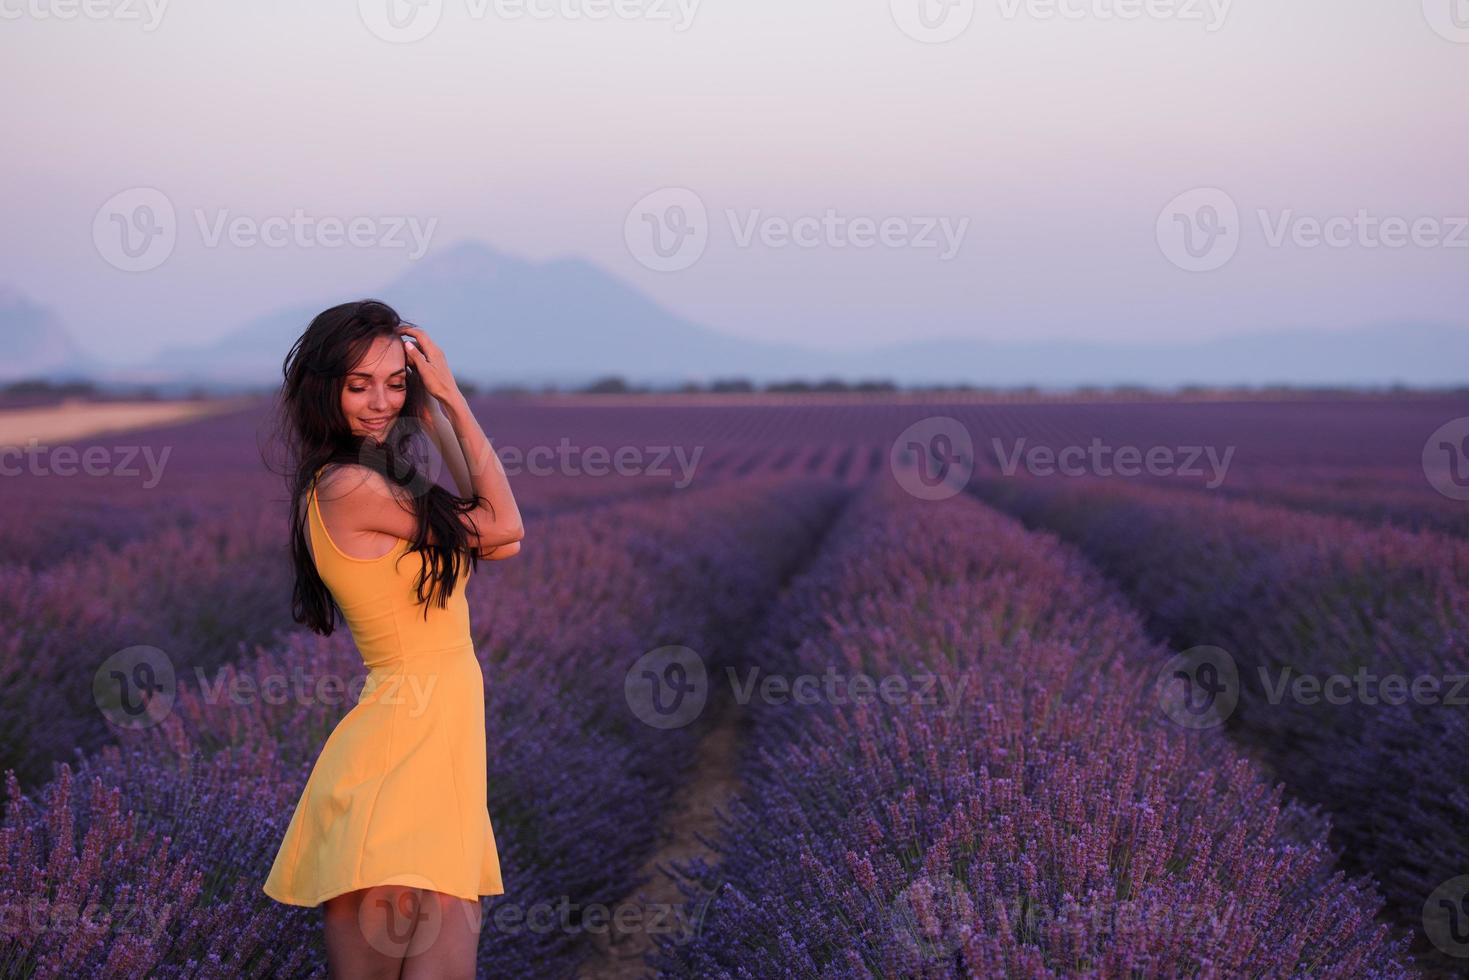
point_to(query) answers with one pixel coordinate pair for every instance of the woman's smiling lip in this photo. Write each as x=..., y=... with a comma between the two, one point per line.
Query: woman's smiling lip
x=374, y=423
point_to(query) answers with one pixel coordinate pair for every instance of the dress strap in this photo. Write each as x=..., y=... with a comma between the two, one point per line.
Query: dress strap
x=331, y=546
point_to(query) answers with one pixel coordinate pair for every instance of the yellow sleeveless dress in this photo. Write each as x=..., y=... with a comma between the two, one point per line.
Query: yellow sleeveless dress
x=397, y=795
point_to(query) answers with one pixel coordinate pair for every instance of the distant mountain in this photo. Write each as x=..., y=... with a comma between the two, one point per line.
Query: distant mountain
x=504, y=319
x=36, y=343
x=566, y=321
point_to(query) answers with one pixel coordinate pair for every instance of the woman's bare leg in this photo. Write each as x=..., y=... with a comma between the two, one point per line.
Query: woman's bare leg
x=368, y=931
x=446, y=940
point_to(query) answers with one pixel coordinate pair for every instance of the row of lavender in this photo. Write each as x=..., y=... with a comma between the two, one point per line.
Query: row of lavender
x=204, y=594
x=1399, y=497
x=179, y=822
x=1343, y=656
x=87, y=495
x=1012, y=801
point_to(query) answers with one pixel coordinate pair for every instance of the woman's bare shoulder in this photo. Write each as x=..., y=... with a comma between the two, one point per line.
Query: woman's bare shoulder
x=339, y=481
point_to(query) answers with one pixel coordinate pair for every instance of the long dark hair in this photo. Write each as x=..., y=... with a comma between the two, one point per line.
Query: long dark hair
x=313, y=432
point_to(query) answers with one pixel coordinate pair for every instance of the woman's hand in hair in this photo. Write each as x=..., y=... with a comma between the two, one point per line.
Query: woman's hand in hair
x=428, y=361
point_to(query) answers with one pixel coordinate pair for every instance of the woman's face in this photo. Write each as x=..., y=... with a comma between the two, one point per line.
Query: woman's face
x=376, y=388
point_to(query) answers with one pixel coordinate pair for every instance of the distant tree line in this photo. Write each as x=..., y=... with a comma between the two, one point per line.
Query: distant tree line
x=615, y=384
x=618, y=385
x=40, y=391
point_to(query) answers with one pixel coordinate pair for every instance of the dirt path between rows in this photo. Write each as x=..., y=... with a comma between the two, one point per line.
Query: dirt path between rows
x=52, y=424
x=713, y=783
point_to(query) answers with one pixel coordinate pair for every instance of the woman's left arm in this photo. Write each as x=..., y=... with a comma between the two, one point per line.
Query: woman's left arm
x=441, y=433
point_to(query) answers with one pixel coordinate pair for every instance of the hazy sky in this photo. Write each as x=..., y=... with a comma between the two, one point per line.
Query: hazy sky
x=1050, y=139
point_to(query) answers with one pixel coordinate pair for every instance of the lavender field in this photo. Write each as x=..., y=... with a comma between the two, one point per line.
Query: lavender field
x=796, y=687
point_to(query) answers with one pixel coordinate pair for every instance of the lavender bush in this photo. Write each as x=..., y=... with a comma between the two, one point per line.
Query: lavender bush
x=201, y=595
x=1050, y=822
x=1290, y=594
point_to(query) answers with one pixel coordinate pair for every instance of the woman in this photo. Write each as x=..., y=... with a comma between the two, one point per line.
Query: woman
x=391, y=834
